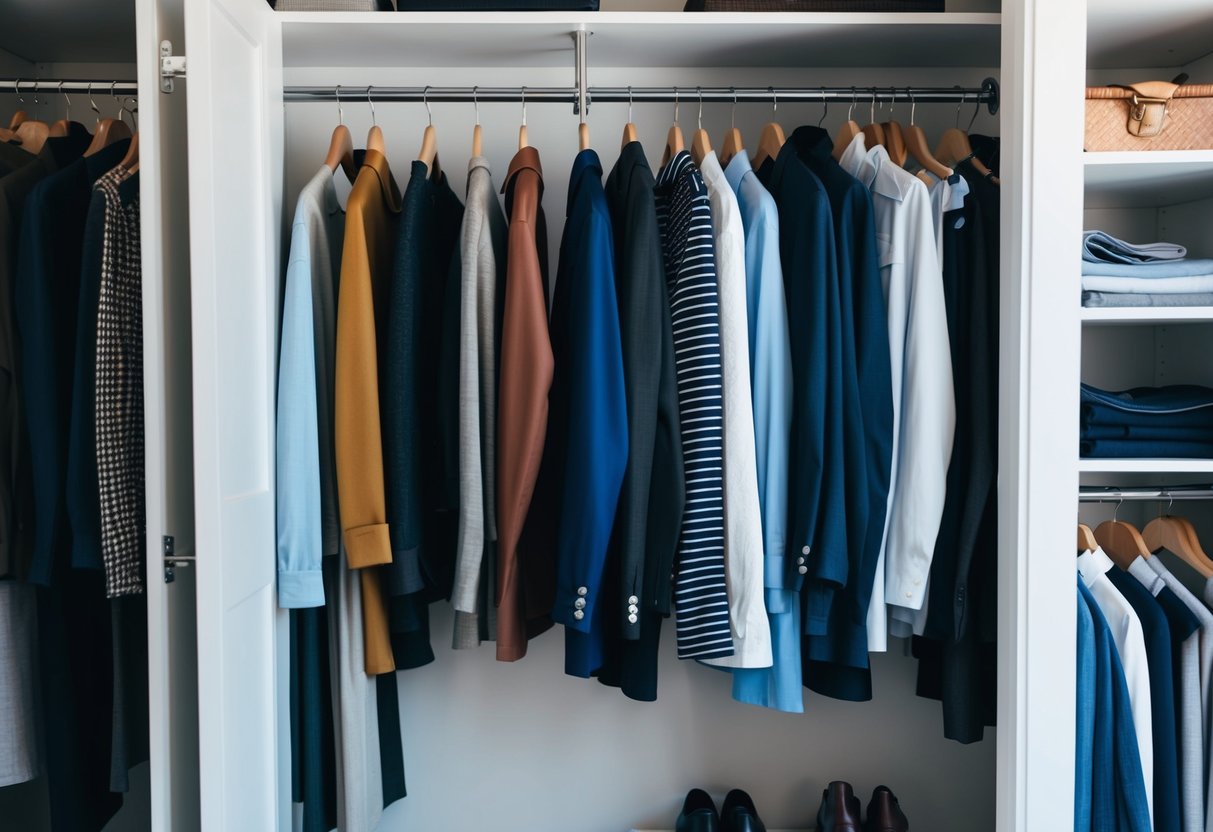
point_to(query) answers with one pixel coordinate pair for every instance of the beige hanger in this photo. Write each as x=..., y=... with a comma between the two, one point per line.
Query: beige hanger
x=916, y=144
x=629, y=129
x=477, y=133
x=341, y=145
x=1121, y=541
x=954, y=147
x=701, y=144
x=847, y=132
x=873, y=133
x=131, y=160
x=771, y=139
x=895, y=141
x=674, y=143
x=1086, y=538
x=374, y=136
x=64, y=125
x=732, y=144
x=428, y=155
x=522, y=139
x=109, y=130
x=1178, y=536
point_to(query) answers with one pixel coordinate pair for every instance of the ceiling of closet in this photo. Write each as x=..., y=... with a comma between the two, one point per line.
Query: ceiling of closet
x=76, y=31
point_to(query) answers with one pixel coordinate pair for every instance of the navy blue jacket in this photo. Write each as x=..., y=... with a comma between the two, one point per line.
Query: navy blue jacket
x=840, y=657
x=817, y=530
x=588, y=404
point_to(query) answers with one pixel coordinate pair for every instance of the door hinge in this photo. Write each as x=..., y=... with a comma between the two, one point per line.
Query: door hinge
x=172, y=560
x=171, y=66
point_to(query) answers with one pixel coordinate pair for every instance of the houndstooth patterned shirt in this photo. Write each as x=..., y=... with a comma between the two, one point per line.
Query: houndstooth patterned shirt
x=119, y=377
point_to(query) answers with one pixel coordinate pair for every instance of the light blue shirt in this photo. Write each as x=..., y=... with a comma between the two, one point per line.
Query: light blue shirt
x=306, y=494
x=771, y=391
x=1084, y=734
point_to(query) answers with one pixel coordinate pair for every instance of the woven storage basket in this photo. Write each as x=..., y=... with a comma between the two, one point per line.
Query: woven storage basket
x=814, y=6
x=1188, y=125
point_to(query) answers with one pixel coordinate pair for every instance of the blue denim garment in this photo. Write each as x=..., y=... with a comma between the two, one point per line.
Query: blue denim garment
x=1144, y=449
x=1147, y=433
x=1084, y=734
x=1172, y=268
x=1173, y=399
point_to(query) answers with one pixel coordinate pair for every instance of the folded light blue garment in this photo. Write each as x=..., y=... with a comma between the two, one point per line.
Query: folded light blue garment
x=1149, y=285
x=1102, y=247
x=1093, y=300
x=1166, y=268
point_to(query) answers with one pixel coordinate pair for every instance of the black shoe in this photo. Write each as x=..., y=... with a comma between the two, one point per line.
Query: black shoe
x=839, y=810
x=738, y=814
x=698, y=813
x=884, y=813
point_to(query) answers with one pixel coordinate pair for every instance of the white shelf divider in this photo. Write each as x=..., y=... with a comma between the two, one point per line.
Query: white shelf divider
x=1147, y=315
x=1120, y=179
x=1145, y=466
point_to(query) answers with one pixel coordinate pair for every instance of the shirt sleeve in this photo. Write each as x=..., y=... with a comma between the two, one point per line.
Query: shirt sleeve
x=298, y=440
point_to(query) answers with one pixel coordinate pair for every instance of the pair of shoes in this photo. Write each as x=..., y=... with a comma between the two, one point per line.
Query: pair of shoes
x=839, y=811
x=736, y=815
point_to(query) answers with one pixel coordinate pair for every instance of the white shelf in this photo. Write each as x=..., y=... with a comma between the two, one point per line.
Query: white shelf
x=1147, y=315
x=640, y=39
x=1157, y=33
x=1145, y=466
x=1147, y=178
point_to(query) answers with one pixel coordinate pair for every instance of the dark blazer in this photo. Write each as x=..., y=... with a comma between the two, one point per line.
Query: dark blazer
x=588, y=403
x=817, y=532
x=840, y=659
x=522, y=412
x=651, y=500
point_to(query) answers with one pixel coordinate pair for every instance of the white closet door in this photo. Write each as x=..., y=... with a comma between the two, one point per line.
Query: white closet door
x=172, y=628
x=234, y=86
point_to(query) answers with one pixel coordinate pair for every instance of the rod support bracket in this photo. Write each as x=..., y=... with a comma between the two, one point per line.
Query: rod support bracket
x=581, y=106
x=171, y=66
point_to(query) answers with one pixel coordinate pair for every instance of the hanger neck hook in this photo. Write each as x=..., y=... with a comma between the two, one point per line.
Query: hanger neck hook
x=121, y=109
x=733, y=111
x=851, y=109
x=425, y=99
x=1171, y=501
x=374, y=121
x=476, y=104
x=68, y=100
x=524, y=106
x=91, y=103
x=17, y=91
x=700, y=117
x=892, y=101
x=825, y=107
x=675, y=105
x=976, y=111
x=340, y=112
x=958, y=106
x=872, y=108
x=1116, y=510
x=629, y=104
x=913, y=105
x=774, y=102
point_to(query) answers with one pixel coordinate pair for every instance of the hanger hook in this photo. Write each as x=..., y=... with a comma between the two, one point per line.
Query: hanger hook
x=872, y=107
x=340, y=112
x=733, y=111
x=825, y=107
x=1171, y=500
x=892, y=101
x=476, y=104
x=700, y=120
x=629, y=104
x=374, y=121
x=425, y=99
x=67, y=98
x=976, y=110
x=1116, y=510
x=958, y=106
x=774, y=101
x=17, y=91
x=91, y=103
x=851, y=109
x=675, y=105
x=913, y=105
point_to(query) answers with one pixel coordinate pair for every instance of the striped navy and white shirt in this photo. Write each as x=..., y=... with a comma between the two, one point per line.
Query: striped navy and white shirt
x=700, y=597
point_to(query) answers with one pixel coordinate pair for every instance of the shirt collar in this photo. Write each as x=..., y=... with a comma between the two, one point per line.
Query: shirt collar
x=1092, y=565
x=527, y=157
x=854, y=160
x=585, y=163
x=1148, y=578
x=378, y=163
x=813, y=141
x=478, y=162
x=737, y=168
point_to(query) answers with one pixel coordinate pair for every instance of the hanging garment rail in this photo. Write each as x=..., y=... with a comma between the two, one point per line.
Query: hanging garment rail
x=986, y=94
x=1152, y=493
x=30, y=86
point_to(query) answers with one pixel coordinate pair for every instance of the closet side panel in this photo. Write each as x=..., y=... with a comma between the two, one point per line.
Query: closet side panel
x=234, y=110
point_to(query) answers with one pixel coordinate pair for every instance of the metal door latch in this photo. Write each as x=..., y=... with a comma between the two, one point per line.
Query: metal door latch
x=171, y=66
x=172, y=560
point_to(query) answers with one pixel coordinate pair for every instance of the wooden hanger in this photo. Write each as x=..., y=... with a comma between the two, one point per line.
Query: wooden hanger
x=873, y=133
x=477, y=133
x=732, y=143
x=33, y=135
x=916, y=144
x=629, y=130
x=341, y=145
x=1122, y=542
x=847, y=132
x=1177, y=536
x=954, y=148
x=674, y=143
x=895, y=142
x=63, y=126
x=131, y=160
x=522, y=138
x=16, y=120
x=701, y=144
x=1086, y=538
x=771, y=139
x=583, y=136
x=374, y=136
x=109, y=130
x=428, y=155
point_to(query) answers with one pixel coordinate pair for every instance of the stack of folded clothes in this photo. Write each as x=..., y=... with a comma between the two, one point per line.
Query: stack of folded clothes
x=1118, y=273
x=1147, y=422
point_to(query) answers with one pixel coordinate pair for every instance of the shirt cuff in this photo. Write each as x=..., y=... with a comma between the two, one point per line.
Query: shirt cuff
x=774, y=570
x=903, y=591
x=368, y=546
x=780, y=601
x=298, y=590
x=574, y=608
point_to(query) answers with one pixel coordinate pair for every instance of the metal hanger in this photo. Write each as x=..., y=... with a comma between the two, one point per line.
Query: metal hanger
x=1178, y=536
x=31, y=133
x=522, y=138
x=61, y=127
x=701, y=145
x=849, y=130
x=374, y=136
x=20, y=115
x=341, y=145
x=477, y=133
x=772, y=139
x=629, y=129
x=873, y=134
x=920, y=151
x=428, y=155
x=1121, y=541
x=895, y=140
x=732, y=140
x=674, y=143
x=825, y=107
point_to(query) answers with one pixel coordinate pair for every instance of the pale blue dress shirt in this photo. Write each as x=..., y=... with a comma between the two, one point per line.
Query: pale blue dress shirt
x=778, y=686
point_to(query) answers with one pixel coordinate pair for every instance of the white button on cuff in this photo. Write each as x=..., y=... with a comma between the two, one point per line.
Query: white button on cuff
x=632, y=599
x=802, y=569
x=633, y=608
x=582, y=591
x=579, y=603
x=578, y=614
x=800, y=560
x=632, y=619
x=804, y=550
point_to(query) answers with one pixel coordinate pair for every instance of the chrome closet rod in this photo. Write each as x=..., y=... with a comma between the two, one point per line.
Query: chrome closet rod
x=1151, y=493
x=986, y=94
x=50, y=86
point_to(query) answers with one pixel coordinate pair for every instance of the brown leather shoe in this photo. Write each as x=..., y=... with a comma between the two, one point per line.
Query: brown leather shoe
x=884, y=813
x=839, y=810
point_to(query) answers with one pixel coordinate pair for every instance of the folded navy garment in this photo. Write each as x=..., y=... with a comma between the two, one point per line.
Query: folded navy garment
x=1175, y=398
x=1101, y=247
x=1165, y=268
x=1092, y=300
x=1103, y=416
x=1133, y=449
x=1148, y=433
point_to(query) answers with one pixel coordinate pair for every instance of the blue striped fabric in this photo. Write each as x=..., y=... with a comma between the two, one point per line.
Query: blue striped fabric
x=701, y=600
